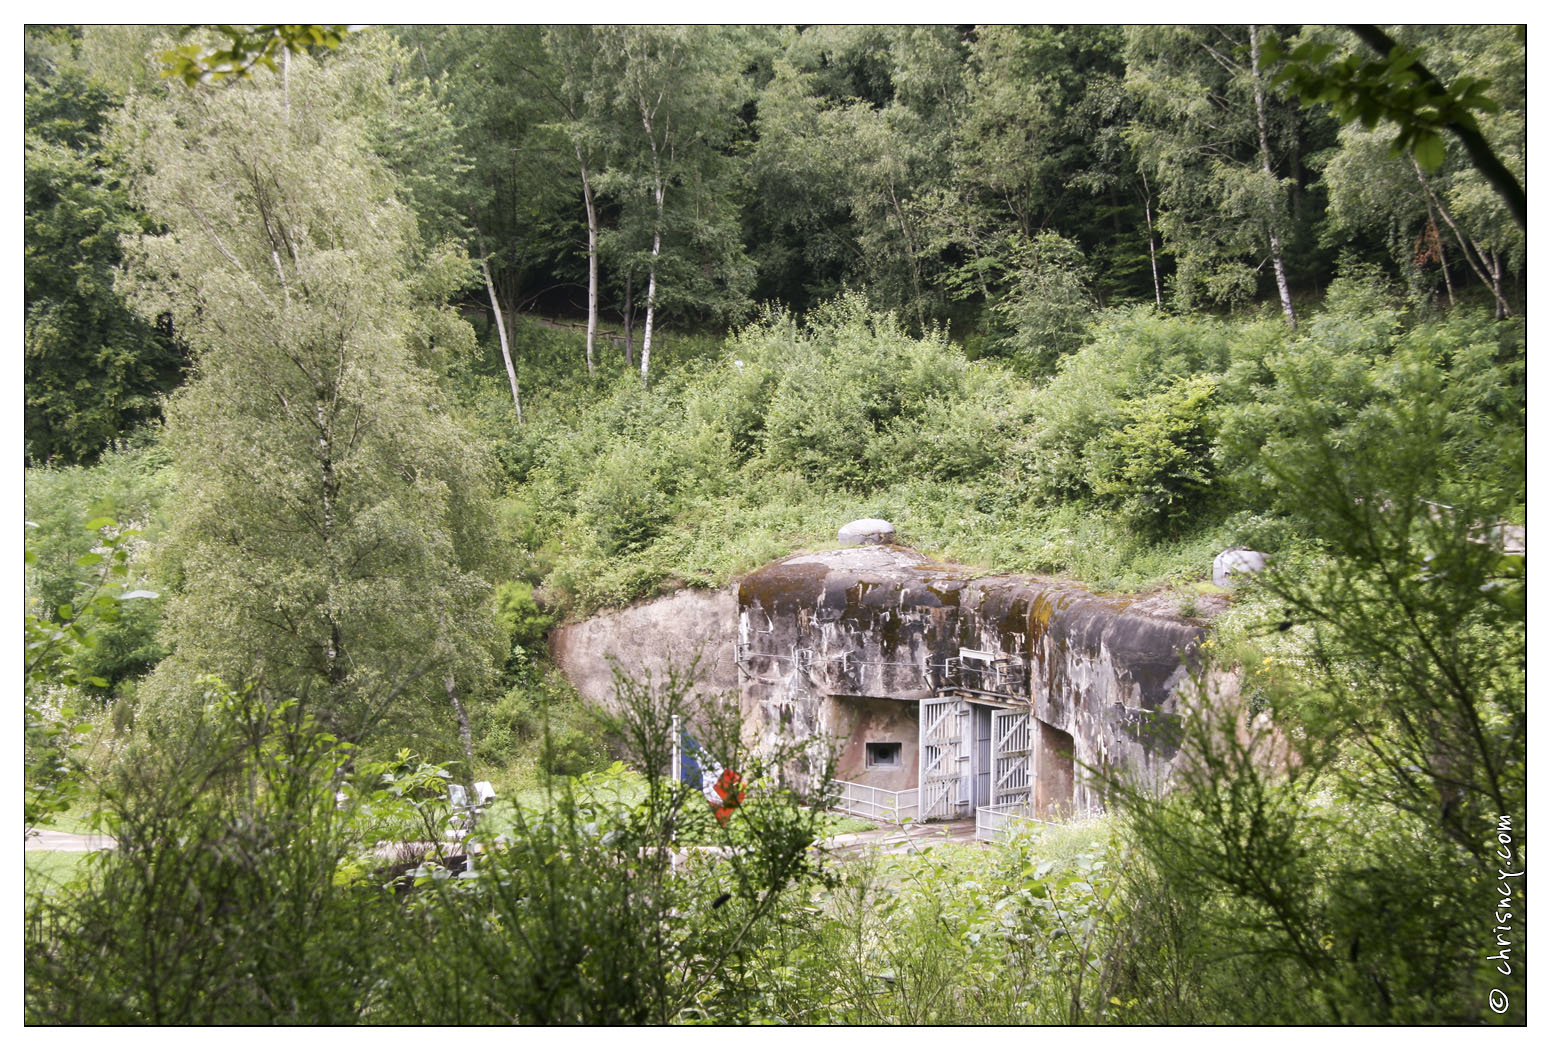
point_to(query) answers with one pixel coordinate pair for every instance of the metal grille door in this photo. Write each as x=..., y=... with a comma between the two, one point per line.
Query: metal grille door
x=944, y=752
x=1011, y=740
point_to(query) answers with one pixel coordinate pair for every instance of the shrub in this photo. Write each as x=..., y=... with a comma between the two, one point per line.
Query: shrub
x=622, y=502
x=219, y=905
x=587, y=916
x=1157, y=468
x=1050, y=304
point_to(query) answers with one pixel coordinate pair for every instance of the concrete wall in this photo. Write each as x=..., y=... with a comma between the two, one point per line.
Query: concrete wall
x=853, y=722
x=646, y=638
x=881, y=621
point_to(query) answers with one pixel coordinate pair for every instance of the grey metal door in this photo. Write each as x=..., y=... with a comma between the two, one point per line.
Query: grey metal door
x=945, y=758
x=1011, y=746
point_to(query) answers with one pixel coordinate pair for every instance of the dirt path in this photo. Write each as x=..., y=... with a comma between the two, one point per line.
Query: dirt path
x=903, y=839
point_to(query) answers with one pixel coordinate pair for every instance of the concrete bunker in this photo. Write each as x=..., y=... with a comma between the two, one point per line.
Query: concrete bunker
x=876, y=741
x=1016, y=689
x=946, y=692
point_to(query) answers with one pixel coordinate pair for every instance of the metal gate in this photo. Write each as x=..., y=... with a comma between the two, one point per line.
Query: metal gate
x=945, y=758
x=1011, y=741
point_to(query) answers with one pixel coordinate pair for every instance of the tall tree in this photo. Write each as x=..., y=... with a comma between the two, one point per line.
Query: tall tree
x=682, y=90
x=1215, y=140
x=93, y=369
x=1447, y=212
x=582, y=118
x=801, y=231
x=331, y=528
x=497, y=86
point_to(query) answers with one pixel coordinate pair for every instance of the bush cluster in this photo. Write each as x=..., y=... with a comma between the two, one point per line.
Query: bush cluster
x=1146, y=450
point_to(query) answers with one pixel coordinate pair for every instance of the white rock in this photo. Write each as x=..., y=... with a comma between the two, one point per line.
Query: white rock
x=1234, y=562
x=867, y=531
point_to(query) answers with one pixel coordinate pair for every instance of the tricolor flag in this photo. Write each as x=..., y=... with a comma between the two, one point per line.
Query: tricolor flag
x=723, y=789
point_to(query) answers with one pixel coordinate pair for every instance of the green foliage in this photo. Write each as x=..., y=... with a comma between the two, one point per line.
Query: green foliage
x=1049, y=305
x=550, y=930
x=520, y=617
x=1347, y=378
x=129, y=486
x=94, y=371
x=58, y=644
x=247, y=47
x=332, y=529
x=1156, y=469
x=1010, y=935
x=539, y=729
x=623, y=501
x=1382, y=735
x=1129, y=355
x=798, y=426
x=840, y=394
x=247, y=843
x=228, y=843
x=1396, y=88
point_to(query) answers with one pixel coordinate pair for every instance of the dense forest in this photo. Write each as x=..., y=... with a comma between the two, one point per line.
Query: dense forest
x=355, y=361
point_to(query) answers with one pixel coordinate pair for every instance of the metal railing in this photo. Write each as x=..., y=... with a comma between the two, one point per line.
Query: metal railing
x=993, y=824
x=878, y=804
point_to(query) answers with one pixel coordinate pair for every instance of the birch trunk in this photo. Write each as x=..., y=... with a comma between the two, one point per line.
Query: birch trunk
x=1465, y=243
x=659, y=192
x=651, y=295
x=1152, y=247
x=500, y=327
x=1443, y=258
x=1265, y=164
x=1497, y=285
x=592, y=262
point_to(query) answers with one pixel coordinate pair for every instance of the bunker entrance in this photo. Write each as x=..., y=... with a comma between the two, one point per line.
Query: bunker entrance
x=973, y=754
x=950, y=758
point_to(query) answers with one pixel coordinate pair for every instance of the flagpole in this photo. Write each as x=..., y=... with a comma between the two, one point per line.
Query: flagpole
x=678, y=752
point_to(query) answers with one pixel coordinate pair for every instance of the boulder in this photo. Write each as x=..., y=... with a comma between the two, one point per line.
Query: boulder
x=1236, y=561
x=866, y=531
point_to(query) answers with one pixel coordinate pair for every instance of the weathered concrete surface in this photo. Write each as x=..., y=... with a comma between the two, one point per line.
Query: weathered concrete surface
x=841, y=645
x=856, y=720
x=881, y=622
x=646, y=638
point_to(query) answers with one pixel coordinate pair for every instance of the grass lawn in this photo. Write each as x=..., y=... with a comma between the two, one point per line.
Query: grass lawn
x=46, y=869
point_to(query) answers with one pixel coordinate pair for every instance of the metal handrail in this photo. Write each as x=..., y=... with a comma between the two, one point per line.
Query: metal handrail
x=878, y=804
x=995, y=823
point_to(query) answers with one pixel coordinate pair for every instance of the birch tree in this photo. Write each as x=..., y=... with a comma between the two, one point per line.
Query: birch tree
x=1446, y=212
x=331, y=527
x=678, y=89
x=1214, y=140
x=573, y=51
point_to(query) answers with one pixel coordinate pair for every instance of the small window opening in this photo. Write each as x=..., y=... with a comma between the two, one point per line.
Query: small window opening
x=883, y=753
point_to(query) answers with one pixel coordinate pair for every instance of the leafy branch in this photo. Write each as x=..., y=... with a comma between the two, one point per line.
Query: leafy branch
x=1398, y=88
x=249, y=46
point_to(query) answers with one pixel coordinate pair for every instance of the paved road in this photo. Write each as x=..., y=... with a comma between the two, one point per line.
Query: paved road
x=891, y=839
x=49, y=839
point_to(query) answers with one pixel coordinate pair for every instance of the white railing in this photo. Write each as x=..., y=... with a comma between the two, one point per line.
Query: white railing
x=878, y=804
x=993, y=824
